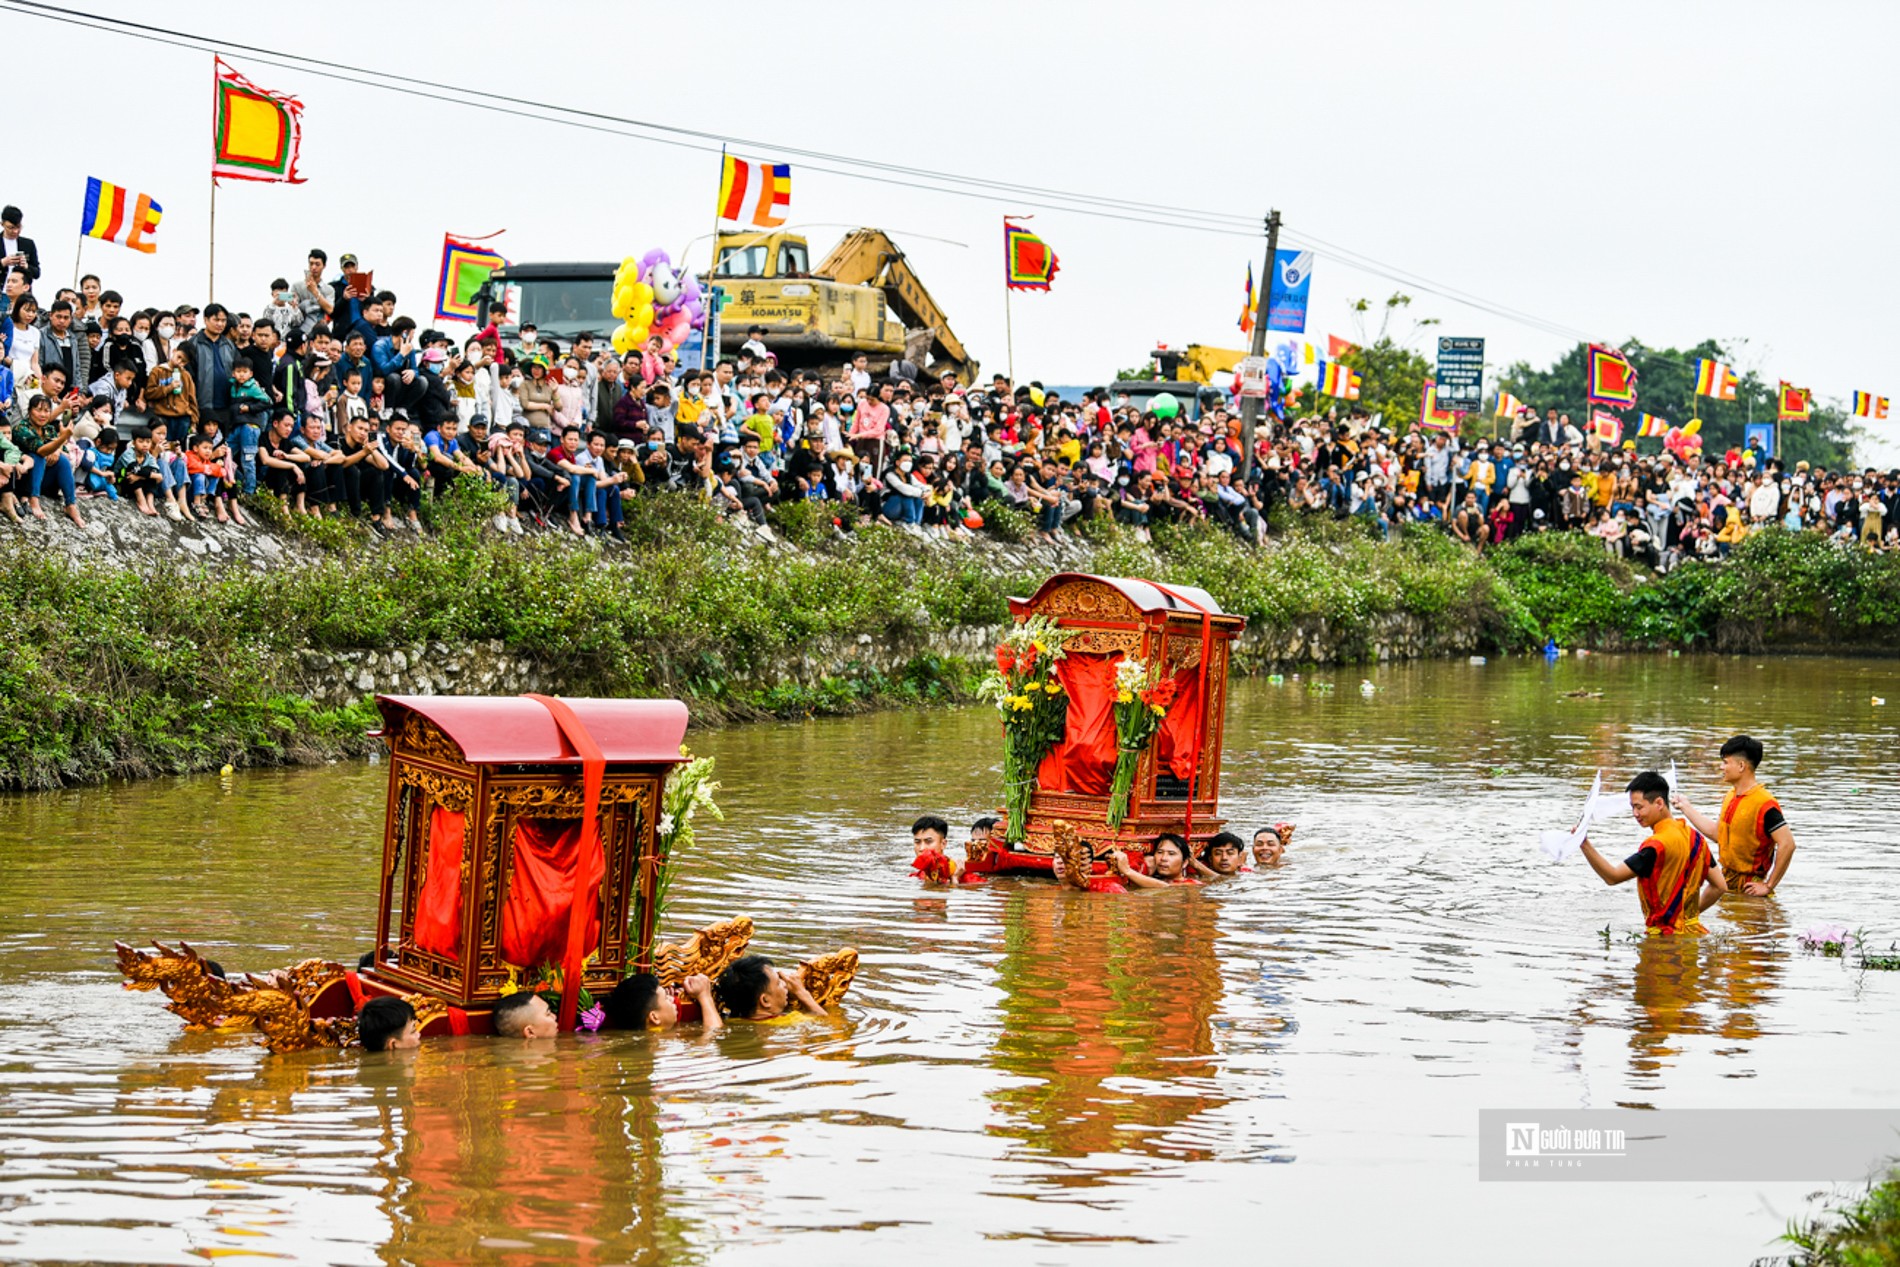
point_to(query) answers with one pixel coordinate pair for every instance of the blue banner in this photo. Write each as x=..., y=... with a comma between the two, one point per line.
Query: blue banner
x=1287, y=293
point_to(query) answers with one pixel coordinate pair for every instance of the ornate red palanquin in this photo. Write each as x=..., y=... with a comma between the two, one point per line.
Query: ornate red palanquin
x=1109, y=618
x=482, y=848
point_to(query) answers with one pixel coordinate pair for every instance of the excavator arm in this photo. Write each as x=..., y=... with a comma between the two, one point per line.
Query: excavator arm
x=868, y=257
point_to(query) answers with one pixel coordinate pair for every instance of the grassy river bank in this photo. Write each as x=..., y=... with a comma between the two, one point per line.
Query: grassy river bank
x=128, y=668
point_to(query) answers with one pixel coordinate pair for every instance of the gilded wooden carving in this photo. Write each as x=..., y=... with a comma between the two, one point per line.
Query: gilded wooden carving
x=707, y=951
x=1091, y=600
x=452, y=792
x=425, y=739
x=1104, y=641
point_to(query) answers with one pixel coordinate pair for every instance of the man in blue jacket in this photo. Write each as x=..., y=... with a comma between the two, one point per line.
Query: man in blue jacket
x=394, y=356
x=212, y=354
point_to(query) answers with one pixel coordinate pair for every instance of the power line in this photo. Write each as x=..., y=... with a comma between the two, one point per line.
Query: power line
x=1131, y=211
x=1172, y=216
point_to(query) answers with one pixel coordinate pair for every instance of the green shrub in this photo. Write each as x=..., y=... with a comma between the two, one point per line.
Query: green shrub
x=1006, y=524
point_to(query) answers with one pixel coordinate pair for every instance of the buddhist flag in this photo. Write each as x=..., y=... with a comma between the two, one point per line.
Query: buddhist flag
x=1509, y=406
x=1649, y=426
x=1607, y=427
x=1795, y=404
x=758, y=192
x=1338, y=380
x=465, y=270
x=1337, y=347
x=106, y=216
x=255, y=134
x=1247, y=309
x=1609, y=378
x=1867, y=405
x=1714, y=379
x=1430, y=416
x=1028, y=263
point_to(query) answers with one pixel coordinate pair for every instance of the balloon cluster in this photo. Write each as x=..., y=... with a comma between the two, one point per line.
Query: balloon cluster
x=1683, y=441
x=651, y=298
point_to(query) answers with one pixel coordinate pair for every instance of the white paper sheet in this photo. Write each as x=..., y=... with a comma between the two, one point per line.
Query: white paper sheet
x=1557, y=844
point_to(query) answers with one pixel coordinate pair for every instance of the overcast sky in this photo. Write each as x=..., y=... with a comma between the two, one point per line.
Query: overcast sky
x=1664, y=170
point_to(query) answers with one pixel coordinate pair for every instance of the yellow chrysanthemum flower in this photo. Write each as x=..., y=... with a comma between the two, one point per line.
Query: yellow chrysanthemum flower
x=1124, y=697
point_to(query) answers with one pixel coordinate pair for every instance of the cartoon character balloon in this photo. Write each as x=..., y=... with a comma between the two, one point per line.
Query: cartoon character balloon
x=652, y=297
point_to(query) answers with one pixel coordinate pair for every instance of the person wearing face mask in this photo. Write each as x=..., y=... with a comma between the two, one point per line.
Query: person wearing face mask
x=904, y=496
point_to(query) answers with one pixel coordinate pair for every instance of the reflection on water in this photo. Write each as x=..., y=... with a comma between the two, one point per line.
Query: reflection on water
x=1023, y=1073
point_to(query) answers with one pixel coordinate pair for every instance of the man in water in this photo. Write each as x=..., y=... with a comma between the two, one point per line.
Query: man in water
x=1222, y=859
x=929, y=833
x=752, y=989
x=1668, y=866
x=640, y=1002
x=1269, y=845
x=525, y=1014
x=387, y=1023
x=1752, y=834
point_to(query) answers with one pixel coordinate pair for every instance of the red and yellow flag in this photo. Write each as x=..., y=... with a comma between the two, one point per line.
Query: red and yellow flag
x=1796, y=404
x=255, y=134
x=1028, y=263
x=1609, y=378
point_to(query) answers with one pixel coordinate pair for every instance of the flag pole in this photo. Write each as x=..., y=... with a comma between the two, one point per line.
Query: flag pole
x=708, y=354
x=1009, y=330
x=78, y=247
x=1263, y=304
x=211, y=239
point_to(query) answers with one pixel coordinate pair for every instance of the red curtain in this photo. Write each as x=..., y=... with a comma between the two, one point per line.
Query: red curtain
x=547, y=877
x=1084, y=759
x=1179, y=735
x=439, y=909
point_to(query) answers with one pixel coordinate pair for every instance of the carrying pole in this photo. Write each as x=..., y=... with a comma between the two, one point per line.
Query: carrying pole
x=1250, y=405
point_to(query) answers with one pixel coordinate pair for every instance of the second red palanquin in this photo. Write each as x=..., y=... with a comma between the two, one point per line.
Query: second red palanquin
x=1183, y=640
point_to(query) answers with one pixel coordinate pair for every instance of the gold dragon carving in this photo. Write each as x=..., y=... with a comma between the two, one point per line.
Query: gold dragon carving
x=277, y=1004
x=828, y=976
x=709, y=951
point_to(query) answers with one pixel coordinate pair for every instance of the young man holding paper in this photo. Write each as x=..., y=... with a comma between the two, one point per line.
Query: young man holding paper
x=1677, y=876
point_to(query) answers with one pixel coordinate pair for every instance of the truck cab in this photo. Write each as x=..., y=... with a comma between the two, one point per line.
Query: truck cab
x=562, y=300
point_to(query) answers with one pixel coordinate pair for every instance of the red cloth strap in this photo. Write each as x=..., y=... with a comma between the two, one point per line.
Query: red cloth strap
x=355, y=984
x=1207, y=645
x=458, y=1022
x=593, y=769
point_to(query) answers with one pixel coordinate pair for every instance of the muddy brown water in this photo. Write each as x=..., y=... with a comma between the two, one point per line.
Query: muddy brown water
x=1287, y=1066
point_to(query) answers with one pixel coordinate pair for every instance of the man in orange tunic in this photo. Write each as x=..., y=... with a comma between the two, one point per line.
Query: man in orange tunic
x=1677, y=877
x=1752, y=833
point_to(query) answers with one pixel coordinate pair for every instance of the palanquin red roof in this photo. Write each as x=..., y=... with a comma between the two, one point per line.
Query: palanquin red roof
x=516, y=730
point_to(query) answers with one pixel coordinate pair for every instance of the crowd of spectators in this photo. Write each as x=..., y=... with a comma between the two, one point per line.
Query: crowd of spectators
x=331, y=402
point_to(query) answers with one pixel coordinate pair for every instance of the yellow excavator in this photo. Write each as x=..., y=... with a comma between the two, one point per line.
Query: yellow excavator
x=863, y=297
x=1197, y=363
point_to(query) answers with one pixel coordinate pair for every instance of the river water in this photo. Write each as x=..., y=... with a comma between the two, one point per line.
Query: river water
x=1289, y=1065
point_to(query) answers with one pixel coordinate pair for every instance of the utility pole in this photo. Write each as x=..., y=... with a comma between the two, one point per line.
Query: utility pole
x=1250, y=405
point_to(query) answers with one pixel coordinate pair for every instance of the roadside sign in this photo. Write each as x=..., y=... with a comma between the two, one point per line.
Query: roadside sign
x=1460, y=379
